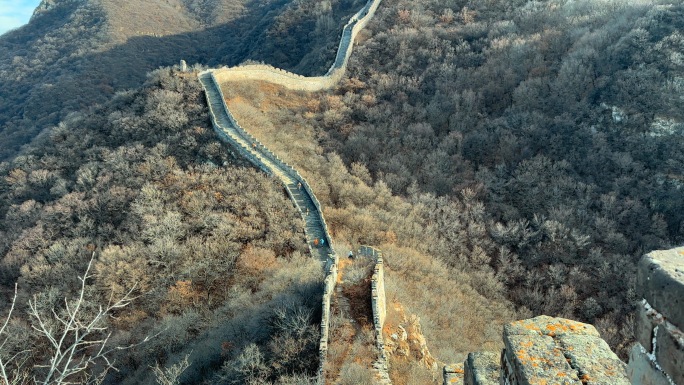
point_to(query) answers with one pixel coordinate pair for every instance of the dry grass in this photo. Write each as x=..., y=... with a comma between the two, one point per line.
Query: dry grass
x=455, y=319
x=275, y=116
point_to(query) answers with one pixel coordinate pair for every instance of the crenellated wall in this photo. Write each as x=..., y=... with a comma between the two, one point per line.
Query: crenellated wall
x=328, y=291
x=248, y=146
x=658, y=356
x=297, y=188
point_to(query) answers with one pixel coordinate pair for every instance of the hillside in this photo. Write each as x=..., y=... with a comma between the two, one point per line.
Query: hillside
x=564, y=118
x=74, y=54
x=510, y=158
x=214, y=255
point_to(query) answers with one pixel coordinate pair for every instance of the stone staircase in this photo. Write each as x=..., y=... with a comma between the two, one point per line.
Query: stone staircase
x=229, y=131
x=253, y=150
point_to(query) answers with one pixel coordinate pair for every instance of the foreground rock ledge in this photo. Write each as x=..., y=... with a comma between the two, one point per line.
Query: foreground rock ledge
x=547, y=350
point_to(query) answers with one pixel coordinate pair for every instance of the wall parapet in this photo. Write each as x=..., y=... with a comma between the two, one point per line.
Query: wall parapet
x=545, y=350
x=379, y=307
x=298, y=189
x=658, y=356
x=290, y=80
x=296, y=186
x=328, y=291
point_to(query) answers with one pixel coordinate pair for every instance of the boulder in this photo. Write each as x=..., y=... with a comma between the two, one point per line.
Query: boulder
x=547, y=350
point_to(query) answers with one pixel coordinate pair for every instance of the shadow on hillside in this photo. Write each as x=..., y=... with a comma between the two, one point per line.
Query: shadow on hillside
x=30, y=104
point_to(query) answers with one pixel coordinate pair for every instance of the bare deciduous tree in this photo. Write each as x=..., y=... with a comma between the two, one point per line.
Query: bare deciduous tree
x=76, y=338
x=170, y=375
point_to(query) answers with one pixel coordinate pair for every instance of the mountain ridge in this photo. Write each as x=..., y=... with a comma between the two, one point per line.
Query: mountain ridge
x=74, y=54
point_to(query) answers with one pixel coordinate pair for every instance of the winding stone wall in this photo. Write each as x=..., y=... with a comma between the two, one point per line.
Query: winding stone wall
x=230, y=131
x=298, y=82
x=296, y=186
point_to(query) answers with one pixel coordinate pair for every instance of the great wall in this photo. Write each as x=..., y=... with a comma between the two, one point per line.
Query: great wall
x=542, y=350
x=299, y=190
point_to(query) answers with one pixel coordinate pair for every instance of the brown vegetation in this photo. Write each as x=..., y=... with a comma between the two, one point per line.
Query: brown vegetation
x=359, y=213
x=496, y=151
x=216, y=256
x=80, y=53
x=552, y=123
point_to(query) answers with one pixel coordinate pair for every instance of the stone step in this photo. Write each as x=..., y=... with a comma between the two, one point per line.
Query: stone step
x=245, y=144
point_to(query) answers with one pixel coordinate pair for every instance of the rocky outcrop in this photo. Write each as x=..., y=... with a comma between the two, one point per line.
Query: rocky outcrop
x=407, y=342
x=547, y=350
x=556, y=350
x=658, y=356
x=44, y=6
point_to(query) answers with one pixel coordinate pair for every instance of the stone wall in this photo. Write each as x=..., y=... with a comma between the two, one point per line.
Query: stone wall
x=544, y=350
x=249, y=147
x=559, y=351
x=378, y=305
x=658, y=356
x=298, y=82
x=482, y=368
x=246, y=152
x=453, y=374
x=328, y=292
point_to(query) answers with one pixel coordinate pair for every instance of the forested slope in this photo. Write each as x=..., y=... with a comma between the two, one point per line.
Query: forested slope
x=564, y=117
x=522, y=149
x=213, y=251
x=74, y=54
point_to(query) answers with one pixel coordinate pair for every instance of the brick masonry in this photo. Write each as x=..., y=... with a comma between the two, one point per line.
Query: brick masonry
x=658, y=356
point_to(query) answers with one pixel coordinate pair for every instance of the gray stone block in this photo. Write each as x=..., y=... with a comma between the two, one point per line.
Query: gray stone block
x=643, y=326
x=549, y=326
x=669, y=352
x=482, y=368
x=453, y=374
x=535, y=359
x=592, y=358
x=660, y=280
x=547, y=350
x=641, y=369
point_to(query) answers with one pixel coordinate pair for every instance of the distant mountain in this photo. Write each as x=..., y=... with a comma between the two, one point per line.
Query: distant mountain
x=76, y=53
